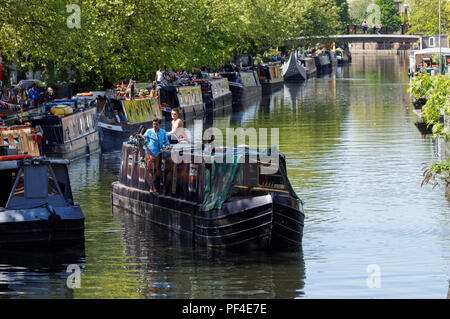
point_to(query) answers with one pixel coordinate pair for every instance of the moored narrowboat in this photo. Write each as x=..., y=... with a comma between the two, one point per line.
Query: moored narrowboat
x=36, y=203
x=293, y=70
x=120, y=117
x=244, y=85
x=187, y=98
x=309, y=65
x=323, y=63
x=270, y=77
x=216, y=95
x=232, y=198
x=69, y=131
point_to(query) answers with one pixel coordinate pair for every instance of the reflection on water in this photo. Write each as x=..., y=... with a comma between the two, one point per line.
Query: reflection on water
x=169, y=266
x=37, y=273
x=355, y=158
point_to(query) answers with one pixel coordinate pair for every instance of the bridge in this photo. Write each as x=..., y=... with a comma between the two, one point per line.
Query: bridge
x=366, y=41
x=396, y=38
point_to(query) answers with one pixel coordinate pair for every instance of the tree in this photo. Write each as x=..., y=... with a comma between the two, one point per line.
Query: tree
x=118, y=39
x=389, y=18
x=358, y=11
x=429, y=9
x=343, y=11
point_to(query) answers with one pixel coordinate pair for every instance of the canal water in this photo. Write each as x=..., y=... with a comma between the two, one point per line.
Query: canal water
x=356, y=159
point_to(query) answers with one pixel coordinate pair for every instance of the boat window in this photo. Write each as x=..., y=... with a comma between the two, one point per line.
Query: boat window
x=23, y=145
x=5, y=140
x=86, y=122
x=80, y=126
x=94, y=120
x=16, y=141
x=130, y=166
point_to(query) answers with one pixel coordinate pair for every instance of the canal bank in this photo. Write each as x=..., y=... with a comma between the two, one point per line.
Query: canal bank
x=354, y=156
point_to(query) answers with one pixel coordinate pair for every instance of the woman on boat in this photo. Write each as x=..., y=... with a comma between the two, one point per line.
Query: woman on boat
x=177, y=132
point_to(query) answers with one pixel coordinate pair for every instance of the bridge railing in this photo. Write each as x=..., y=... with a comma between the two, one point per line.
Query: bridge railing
x=358, y=29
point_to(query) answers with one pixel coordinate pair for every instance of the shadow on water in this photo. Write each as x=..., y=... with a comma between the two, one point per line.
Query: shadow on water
x=38, y=272
x=173, y=268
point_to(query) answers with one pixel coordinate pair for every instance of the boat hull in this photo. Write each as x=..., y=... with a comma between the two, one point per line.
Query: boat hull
x=220, y=105
x=83, y=146
x=36, y=227
x=261, y=225
x=245, y=94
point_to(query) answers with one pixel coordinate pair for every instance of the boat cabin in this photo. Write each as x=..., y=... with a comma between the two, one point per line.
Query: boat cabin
x=209, y=180
x=425, y=61
x=19, y=140
x=187, y=98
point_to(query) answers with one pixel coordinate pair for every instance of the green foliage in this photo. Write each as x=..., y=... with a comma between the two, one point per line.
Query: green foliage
x=420, y=85
x=439, y=170
x=119, y=39
x=358, y=11
x=437, y=91
x=438, y=104
x=390, y=18
x=424, y=16
x=343, y=11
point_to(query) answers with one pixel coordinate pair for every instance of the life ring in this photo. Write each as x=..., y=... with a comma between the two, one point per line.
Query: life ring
x=61, y=110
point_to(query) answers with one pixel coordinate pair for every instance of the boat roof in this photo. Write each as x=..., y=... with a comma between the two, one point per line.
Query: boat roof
x=432, y=51
x=13, y=164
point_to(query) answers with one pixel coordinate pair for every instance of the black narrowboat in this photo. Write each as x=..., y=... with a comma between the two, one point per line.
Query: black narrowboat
x=36, y=203
x=270, y=78
x=244, y=85
x=323, y=63
x=188, y=99
x=216, y=95
x=229, y=198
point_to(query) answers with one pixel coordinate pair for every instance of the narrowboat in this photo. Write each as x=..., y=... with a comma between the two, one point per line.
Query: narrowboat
x=187, y=98
x=422, y=61
x=244, y=85
x=323, y=63
x=119, y=117
x=309, y=65
x=293, y=70
x=216, y=94
x=228, y=198
x=343, y=56
x=270, y=77
x=36, y=203
x=332, y=57
x=69, y=131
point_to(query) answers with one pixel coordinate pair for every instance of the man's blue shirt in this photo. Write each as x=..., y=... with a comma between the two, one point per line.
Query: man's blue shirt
x=153, y=147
